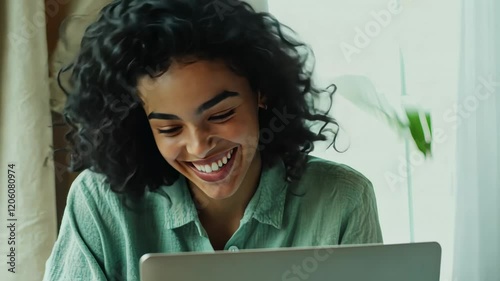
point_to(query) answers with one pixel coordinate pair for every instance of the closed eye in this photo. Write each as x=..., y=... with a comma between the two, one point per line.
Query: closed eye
x=222, y=117
x=169, y=131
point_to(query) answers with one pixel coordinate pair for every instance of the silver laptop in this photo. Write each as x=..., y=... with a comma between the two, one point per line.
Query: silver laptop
x=397, y=262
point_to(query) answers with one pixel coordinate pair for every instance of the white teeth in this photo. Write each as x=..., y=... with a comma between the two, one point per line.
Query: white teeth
x=215, y=167
x=199, y=167
x=208, y=169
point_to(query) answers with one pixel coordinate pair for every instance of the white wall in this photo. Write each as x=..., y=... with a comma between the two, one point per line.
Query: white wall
x=428, y=34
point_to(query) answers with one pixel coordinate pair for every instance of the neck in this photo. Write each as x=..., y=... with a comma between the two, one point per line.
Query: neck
x=234, y=206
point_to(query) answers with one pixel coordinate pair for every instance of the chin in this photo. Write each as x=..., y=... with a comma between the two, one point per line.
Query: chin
x=220, y=190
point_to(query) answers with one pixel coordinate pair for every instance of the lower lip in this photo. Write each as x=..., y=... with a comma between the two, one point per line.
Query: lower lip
x=219, y=175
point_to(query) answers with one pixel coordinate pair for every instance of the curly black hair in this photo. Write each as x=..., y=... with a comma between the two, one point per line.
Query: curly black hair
x=110, y=133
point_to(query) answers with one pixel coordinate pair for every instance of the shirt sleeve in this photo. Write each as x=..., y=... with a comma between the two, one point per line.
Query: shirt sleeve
x=361, y=224
x=73, y=256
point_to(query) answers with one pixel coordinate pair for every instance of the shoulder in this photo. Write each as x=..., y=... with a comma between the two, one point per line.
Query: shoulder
x=92, y=192
x=90, y=189
x=331, y=179
x=333, y=170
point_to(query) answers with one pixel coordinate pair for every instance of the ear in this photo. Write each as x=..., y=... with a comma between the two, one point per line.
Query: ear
x=262, y=101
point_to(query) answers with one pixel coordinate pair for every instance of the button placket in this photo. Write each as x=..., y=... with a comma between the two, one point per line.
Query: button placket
x=233, y=248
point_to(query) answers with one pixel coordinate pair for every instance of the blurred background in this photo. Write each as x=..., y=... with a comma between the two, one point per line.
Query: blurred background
x=439, y=56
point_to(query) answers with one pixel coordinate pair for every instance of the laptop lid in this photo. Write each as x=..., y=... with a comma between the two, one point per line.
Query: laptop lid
x=396, y=262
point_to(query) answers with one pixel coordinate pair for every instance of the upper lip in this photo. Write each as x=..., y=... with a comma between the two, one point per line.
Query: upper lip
x=211, y=159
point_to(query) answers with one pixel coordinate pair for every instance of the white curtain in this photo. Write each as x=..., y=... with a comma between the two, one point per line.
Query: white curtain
x=25, y=140
x=477, y=239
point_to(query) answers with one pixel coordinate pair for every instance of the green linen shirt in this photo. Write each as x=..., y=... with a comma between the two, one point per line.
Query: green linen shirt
x=101, y=239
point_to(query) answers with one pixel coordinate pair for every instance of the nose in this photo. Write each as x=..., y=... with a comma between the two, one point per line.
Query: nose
x=200, y=143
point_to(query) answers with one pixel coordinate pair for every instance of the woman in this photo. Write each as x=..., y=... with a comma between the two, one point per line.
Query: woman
x=192, y=122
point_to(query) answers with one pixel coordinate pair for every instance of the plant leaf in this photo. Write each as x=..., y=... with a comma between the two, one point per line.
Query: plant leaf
x=361, y=92
x=420, y=128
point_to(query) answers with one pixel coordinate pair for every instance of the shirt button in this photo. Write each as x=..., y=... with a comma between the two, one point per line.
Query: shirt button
x=233, y=249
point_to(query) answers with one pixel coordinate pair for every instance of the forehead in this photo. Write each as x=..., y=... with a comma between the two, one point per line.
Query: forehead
x=200, y=76
x=185, y=87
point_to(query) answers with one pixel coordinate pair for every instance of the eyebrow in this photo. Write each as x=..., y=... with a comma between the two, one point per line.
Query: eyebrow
x=205, y=106
x=154, y=115
x=215, y=100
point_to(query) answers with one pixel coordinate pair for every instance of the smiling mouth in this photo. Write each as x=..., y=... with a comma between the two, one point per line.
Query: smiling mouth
x=215, y=165
x=216, y=169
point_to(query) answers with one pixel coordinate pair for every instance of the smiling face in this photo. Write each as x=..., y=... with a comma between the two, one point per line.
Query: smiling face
x=204, y=119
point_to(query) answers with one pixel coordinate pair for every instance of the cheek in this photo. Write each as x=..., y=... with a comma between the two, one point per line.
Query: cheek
x=247, y=135
x=245, y=132
x=169, y=150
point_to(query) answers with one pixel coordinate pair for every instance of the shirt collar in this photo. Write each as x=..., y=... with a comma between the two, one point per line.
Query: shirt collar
x=268, y=203
x=266, y=206
x=182, y=207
